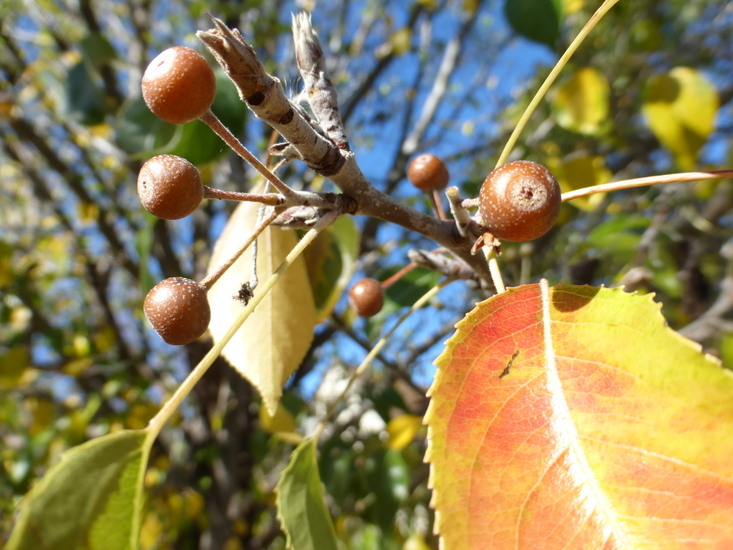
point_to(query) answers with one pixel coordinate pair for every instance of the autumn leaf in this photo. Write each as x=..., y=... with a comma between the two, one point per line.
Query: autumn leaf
x=680, y=108
x=573, y=417
x=276, y=337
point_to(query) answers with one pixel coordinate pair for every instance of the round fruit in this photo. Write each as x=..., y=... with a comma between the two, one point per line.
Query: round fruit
x=366, y=297
x=427, y=172
x=178, y=310
x=179, y=85
x=519, y=201
x=170, y=187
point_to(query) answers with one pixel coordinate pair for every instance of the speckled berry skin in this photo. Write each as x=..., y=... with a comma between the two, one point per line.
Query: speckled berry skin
x=366, y=297
x=427, y=172
x=169, y=187
x=178, y=310
x=179, y=85
x=519, y=201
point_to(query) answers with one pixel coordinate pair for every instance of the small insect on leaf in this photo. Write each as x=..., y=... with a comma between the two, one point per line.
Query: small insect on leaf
x=508, y=367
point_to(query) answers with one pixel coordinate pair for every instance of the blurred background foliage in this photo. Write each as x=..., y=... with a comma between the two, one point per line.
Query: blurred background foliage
x=650, y=92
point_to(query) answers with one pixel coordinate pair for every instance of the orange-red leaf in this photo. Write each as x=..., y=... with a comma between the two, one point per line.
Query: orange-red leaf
x=606, y=430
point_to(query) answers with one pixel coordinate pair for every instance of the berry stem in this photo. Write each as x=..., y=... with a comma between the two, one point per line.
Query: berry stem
x=424, y=299
x=392, y=279
x=211, y=120
x=270, y=199
x=651, y=180
x=592, y=22
x=437, y=204
x=170, y=406
x=209, y=281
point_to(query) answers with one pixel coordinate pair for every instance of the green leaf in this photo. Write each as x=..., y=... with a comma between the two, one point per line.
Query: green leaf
x=680, y=109
x=409, y=288
x=13, y=365
x=388, y=478
x=330, y=261
x=141, y=133
x=538, y=20
x=581, y=104
x=301, y=506
x=83, y=100
x=198, y=143
x=92, y=499
x=97, y=50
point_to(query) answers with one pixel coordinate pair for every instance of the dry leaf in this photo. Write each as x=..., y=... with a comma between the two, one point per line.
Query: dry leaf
x=273, y=341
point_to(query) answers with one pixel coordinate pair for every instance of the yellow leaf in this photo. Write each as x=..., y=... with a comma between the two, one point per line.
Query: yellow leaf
x=88, y=212
x=581, y=104
x=275, y=338
x=400, y=41
x=402, y=430
x=281, y=421
x=680, y=109
x=415, y=542
x=43, y=412
x=569, y=7
x=582, y=171
x=13, y=365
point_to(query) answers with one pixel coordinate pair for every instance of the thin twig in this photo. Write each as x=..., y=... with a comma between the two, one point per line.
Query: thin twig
x=458, y=209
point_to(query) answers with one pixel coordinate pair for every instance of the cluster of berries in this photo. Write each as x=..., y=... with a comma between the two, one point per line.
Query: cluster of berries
x=518, y=201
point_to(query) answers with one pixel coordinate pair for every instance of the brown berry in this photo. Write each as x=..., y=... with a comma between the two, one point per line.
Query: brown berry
x=519, y=201
x=178, y=310
x=366, y=297
x=169, y=187
x=427, y=172
x=179, y=85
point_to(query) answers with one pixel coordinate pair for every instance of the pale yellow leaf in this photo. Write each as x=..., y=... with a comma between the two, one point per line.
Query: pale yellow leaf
x=273, y=341
x=581, y=104
x=281, y=424
x=680, y=109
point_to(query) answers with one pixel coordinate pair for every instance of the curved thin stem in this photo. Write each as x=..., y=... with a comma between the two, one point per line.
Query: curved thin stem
x=650, y=180
x=559, y=66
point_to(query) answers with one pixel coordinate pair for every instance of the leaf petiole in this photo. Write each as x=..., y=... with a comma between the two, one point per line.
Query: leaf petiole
x=651, y=180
